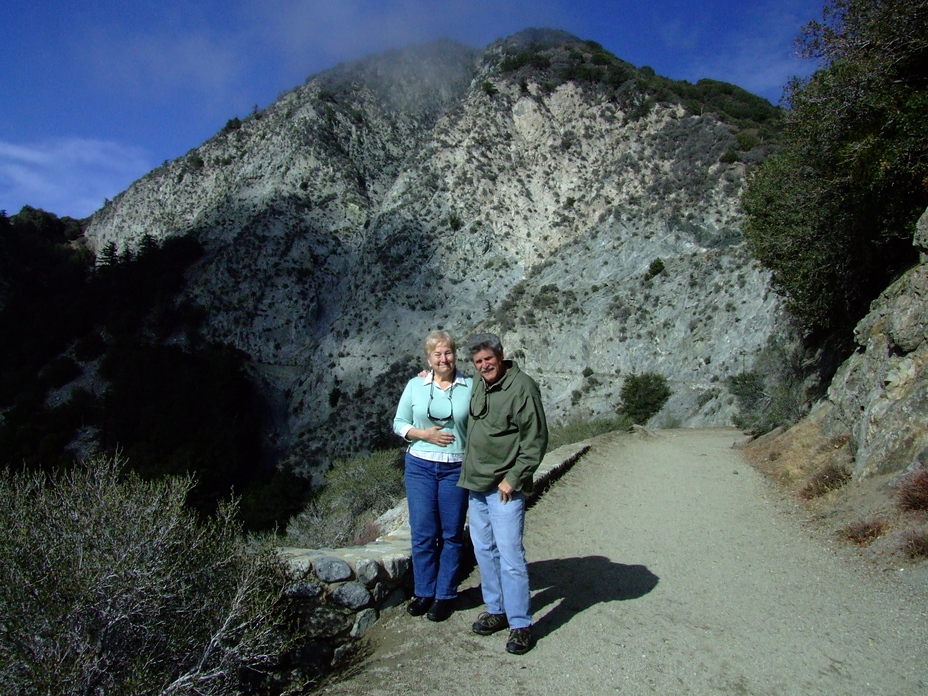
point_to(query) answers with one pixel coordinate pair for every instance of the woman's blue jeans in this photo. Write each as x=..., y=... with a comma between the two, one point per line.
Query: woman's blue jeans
x=496, y=530
x=437, y=508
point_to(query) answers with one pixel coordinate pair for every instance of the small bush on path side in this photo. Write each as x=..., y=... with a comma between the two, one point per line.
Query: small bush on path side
x=863, y=532
x=913, y=491
x=915, y=543
x=643, y=396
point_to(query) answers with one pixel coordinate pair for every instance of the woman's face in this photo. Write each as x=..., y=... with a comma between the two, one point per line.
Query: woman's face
x=442, y=361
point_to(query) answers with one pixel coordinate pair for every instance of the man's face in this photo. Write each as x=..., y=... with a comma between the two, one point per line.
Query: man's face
x=489, y=365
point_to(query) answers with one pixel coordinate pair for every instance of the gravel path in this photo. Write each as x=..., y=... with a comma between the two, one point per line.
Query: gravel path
x=666, y=565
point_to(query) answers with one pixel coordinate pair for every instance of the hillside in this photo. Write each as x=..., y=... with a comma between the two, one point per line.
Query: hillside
x=528, y=188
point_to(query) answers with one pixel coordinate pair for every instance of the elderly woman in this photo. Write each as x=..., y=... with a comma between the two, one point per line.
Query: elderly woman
x=432, y=417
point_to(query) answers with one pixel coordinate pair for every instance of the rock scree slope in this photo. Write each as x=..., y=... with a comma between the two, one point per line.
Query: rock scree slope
x=663, y=564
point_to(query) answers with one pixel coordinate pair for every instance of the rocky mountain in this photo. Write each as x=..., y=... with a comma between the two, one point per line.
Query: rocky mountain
x=541, y=188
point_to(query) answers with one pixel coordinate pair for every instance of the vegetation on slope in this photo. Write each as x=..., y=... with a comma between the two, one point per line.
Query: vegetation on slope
x=553, y=58
x=832, y=215
x=110, y=584
x=169, y=409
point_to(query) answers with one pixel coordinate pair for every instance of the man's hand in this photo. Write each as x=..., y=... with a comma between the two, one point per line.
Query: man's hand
x=505, y=491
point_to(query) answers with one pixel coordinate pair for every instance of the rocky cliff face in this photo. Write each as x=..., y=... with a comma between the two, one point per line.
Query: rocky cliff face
x=435, y=187
x=879, y=397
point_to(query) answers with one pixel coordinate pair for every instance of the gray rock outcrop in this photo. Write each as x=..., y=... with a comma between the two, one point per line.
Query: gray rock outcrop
x=879, y=397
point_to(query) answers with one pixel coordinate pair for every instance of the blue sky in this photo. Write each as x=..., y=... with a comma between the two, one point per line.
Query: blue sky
x=98, y=92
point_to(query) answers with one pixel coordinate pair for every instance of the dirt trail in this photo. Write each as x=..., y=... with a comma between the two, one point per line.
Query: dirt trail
x=666, y=565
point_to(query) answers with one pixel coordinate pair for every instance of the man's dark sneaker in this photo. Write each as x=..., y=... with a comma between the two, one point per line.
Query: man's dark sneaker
x=488, y=623
x=520, y=641
x=419, y=605
x=440, y=610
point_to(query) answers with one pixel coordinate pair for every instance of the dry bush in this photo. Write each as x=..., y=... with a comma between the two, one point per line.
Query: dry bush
x=831, y=478
x=915, y=543
x=355, y=492
x=864, y=532
x=111, y=585
x=913, y=491
x=369, y=532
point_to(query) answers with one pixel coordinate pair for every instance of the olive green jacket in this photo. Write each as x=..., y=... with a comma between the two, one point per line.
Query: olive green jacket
x=506, y=434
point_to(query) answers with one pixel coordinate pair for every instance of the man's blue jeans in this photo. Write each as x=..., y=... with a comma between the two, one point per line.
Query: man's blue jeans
x=496, y=530
x=437, y=508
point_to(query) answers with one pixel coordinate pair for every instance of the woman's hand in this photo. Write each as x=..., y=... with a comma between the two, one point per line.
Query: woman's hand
x=435, y=435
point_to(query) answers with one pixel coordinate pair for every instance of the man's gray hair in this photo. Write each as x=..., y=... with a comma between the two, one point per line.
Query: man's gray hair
x=484, y=341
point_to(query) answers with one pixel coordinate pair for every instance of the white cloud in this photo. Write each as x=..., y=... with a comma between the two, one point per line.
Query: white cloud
x=309, y=32
x=66, y=176
x=159, y=65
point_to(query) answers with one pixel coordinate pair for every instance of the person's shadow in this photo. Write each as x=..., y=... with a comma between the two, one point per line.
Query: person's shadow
x=580, y=583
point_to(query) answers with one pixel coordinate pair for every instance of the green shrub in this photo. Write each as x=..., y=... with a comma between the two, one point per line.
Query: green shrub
x=60, y=371
x=729, y=157
x=233, y=124
x=356, y=491
x=114, y=586
x=747, y=139
x=773, y=394
x=175, y=412
x=748, y=389
x=90, y=347
x=833, y=213
x=643, y=396
x=707, y=396
x=654, y=269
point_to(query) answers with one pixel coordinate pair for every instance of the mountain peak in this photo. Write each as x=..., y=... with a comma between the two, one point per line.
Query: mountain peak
x=539, y=37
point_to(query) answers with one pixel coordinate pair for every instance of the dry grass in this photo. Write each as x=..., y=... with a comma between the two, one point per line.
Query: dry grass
x=793, y=456
x=816, y=470
x=830, y=478
x=915, y=543
x=864, y=532
x=369, y=531
x=912, y=493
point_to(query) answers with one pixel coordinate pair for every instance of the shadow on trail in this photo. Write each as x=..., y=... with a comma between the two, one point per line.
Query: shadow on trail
x=580, y=583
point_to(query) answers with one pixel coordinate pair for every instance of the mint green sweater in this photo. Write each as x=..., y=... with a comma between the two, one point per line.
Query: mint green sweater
x=412, y=412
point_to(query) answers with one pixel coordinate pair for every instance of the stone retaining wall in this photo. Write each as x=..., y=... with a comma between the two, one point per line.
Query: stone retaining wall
x=345, y=590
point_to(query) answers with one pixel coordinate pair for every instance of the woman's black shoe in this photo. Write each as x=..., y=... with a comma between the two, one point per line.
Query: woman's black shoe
x=440, y=610
x=419, y=605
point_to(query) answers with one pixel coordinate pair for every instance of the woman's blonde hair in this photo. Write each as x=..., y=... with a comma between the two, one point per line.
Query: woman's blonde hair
x=437, y=337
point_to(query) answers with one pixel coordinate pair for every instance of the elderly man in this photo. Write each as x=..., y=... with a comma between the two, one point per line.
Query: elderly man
x=506, y=439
